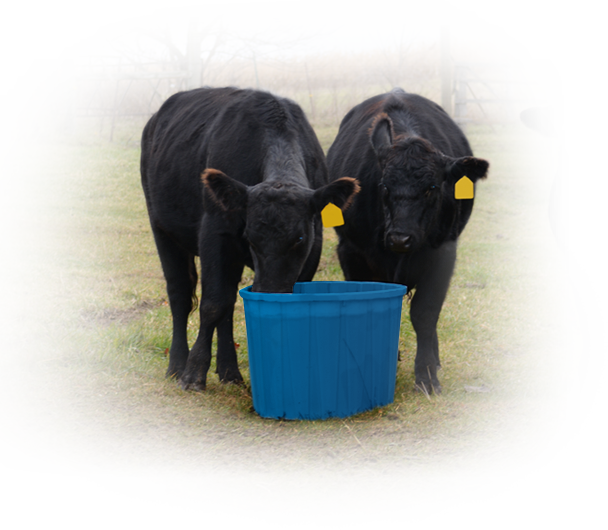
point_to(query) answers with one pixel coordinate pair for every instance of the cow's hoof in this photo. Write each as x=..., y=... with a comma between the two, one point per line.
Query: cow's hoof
x=173, y=373
x=235, y=379
x=237, y=382
x=428, y=388
x=195, y=386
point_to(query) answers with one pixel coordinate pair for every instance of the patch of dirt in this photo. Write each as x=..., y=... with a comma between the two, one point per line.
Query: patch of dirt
x=111, y=315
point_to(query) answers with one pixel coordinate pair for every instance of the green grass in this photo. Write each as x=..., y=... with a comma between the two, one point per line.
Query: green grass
x=110, y=327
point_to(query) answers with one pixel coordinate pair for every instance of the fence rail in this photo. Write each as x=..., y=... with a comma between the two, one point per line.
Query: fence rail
x=501, y=90
x=127, y=76
x=469, y=85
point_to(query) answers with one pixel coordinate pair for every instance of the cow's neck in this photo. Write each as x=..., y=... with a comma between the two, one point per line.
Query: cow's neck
x=404, y=124
x=285, y=163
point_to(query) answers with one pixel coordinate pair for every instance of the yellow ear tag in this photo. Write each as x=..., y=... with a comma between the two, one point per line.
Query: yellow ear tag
x=464, y=189
x=332, y=216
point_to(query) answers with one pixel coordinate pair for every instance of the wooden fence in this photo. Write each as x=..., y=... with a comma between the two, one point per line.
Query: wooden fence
x=495, y=92
x=501, y=90
x=481, y=92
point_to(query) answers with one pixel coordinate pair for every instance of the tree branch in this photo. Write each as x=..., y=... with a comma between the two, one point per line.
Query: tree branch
x=162, y=39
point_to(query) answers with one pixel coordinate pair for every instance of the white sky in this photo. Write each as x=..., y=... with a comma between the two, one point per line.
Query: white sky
x=466, y=18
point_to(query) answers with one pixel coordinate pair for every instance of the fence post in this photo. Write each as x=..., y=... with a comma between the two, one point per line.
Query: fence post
x=69, y=85
x=446, y=71
x=312, y=105
x=194, y=60
x=255, y=70
x=509, y=93
x=115, y=110
x=460, y=105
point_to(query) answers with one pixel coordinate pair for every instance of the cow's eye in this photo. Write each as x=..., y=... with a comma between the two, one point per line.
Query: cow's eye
x=298, y=241
x=431, y=190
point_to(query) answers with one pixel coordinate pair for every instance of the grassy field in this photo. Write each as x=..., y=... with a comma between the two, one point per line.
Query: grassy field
x=93, y=431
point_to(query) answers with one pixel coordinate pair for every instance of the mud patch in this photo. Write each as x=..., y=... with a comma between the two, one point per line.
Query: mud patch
x=111, y=315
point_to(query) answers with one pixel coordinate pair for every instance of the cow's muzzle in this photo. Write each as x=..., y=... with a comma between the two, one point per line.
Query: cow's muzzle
x=399, y=242
x=579, y=185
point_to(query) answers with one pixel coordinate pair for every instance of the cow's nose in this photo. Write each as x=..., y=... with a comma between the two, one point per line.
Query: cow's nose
x=579, y=184
x=399, y=242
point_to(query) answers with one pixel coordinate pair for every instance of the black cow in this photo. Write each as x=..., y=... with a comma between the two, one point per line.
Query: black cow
x=578, y=214
x=264, y=215
x=407, y=154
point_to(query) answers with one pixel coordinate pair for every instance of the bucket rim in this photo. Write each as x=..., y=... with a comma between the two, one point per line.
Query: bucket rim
x=387, y=290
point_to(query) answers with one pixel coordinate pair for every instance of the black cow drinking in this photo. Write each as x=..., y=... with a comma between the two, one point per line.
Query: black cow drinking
x=238, y=178
x=407, y=154
x=578, y=214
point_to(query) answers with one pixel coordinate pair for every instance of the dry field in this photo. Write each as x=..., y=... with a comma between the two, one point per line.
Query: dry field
x=92, y=436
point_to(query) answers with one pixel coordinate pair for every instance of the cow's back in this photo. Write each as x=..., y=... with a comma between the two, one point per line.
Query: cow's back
x=228, y=129
x=173, y=157
x=352, y=151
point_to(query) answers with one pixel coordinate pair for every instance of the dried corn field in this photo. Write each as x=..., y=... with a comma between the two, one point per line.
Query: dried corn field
x=327, y=85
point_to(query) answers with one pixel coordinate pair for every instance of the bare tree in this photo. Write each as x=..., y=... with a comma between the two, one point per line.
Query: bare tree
x=405, y=27
x=144, y=29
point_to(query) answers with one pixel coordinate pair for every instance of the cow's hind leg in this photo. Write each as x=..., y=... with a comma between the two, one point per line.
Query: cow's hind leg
x=180, y=274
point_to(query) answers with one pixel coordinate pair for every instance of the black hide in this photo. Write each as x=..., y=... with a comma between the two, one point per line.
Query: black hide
x=407, y=155
x=578, y=214
x=238, y=178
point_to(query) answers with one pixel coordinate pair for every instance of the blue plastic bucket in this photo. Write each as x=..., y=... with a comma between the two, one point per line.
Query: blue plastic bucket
x=327, y=350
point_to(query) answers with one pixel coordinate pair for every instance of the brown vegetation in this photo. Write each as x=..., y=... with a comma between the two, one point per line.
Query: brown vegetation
x=577, y=44
x=337, y=79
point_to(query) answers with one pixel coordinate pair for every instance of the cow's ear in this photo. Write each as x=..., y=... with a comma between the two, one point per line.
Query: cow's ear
x=381, y=135
x=549, y=121
x=340, y=192
x=227, y=193
x=469, y=166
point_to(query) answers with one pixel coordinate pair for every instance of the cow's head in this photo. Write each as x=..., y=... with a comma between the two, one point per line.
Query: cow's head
x=280, y=222
x=417, y=182
x=585, y=121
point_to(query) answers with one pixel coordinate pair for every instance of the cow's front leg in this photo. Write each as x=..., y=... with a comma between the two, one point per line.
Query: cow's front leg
x=213, y=315
x=221, y=269
x=199, y=360
x=426, y=306
x=227, y=363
